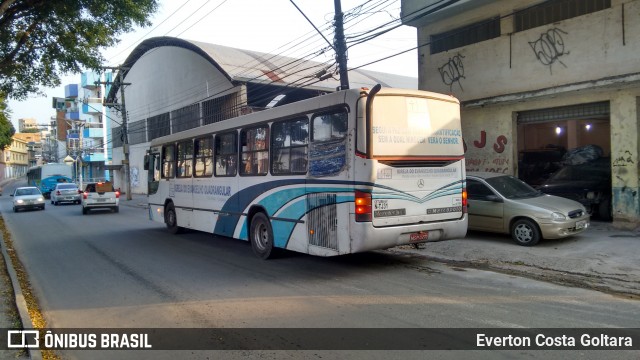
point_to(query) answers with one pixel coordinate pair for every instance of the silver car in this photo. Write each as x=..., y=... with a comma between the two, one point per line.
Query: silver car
x=66, y=192
x=28, y=197
x=505, y=204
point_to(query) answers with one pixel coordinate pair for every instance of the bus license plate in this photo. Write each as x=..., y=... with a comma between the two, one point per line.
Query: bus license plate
x=419, y=236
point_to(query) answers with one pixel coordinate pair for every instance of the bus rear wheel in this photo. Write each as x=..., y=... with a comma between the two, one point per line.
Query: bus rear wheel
x=171, y=219
x=261, y=236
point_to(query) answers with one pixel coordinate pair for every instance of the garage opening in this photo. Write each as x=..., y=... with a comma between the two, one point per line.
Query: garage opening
x=566, y=151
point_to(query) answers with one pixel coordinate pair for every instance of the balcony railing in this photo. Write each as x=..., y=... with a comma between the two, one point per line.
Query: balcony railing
x=93, y=133
x=92, y=106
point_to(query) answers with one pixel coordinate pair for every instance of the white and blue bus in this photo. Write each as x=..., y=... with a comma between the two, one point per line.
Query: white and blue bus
x=47, y=176
x=347, y=172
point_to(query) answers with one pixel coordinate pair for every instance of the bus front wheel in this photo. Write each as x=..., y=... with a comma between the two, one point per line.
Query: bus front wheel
x=171, y=219
x=261, y=236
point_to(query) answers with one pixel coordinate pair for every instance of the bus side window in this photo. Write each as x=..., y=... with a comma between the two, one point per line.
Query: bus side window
x=185, y=159
x=289, y=146
x=330, y=126
x=226, y=154
x=203, y=157
x=327, y=153
x=255, y=151
x=168, y=161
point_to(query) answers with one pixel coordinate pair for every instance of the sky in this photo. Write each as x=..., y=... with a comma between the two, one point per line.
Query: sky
x=269, y=26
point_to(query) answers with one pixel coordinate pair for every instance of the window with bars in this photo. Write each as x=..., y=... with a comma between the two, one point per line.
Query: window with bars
x=158, y=126
x=185, y=118
x=467, y=35
x=117, y=137
x=218, y=109
x=137, y=131
x=552, y=11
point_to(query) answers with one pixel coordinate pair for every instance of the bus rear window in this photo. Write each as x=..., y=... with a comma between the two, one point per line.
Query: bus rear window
x=415, y=126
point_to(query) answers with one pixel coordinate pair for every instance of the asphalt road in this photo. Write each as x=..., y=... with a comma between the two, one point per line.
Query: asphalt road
x=124, y=271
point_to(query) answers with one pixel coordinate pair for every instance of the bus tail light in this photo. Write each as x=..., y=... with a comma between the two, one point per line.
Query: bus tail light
x=85, y=195
x=363, y=206
x=464, y=200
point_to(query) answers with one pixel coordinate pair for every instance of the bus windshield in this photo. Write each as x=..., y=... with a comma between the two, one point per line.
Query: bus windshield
x=415, y=126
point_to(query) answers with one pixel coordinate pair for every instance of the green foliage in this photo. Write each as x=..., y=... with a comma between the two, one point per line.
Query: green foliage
x=30, y=131
x=41, y=40
x=6, y=127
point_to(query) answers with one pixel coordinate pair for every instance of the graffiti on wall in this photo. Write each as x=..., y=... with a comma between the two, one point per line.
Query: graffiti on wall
x=452, y=71
x=550, y=47
x=489, y=163
x=624, y=160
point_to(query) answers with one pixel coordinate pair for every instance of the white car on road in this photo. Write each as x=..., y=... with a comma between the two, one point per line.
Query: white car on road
x=100, y=195
x=28, y=197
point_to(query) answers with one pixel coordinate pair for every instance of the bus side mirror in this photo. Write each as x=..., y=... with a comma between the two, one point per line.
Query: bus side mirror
x=146, y=162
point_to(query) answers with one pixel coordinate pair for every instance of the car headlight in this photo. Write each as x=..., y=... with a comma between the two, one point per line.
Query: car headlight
x=40, y=199
x=556, y=216
x=19, y=201
x=591, y=195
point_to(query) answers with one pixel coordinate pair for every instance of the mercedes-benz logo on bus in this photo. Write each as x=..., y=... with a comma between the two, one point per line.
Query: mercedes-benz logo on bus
x=420, y=183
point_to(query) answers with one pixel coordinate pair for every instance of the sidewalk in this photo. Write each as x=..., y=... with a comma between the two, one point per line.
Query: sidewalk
x=601, y=258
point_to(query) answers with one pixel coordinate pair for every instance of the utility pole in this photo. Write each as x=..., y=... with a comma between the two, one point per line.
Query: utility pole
x=341, y=46
x=125, y=140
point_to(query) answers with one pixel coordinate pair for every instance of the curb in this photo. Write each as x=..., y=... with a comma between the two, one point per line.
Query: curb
x=21, y=303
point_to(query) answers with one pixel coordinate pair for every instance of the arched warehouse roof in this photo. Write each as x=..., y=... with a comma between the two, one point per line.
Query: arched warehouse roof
x=245, y=66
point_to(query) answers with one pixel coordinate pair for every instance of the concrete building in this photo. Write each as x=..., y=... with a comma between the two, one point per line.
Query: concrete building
x=174, y=85
x=27, y=123
x=16, y=158
x=538, y=76
x=34, y=147
x=84, y=128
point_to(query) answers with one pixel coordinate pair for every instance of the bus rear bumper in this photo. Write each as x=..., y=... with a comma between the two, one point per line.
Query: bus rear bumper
x=365, y=237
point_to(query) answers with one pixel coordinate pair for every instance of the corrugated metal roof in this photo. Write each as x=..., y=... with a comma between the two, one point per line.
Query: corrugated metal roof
x=246, y=66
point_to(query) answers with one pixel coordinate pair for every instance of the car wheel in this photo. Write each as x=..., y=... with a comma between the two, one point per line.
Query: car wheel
x=84, y=210
x=42, y=208
x=51, y=202
x=115, y=209
x=261, y=235
x=604, y=210
x=15, y=209
x=525, y=232
x=171, y=219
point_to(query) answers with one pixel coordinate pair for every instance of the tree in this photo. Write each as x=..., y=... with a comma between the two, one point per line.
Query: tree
x=6, y=128
x=40, y=40
x=30, y=131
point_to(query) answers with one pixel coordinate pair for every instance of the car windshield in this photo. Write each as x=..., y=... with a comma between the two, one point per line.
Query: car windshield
x=32, y=191
x=577, y=172
x=512, y=188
